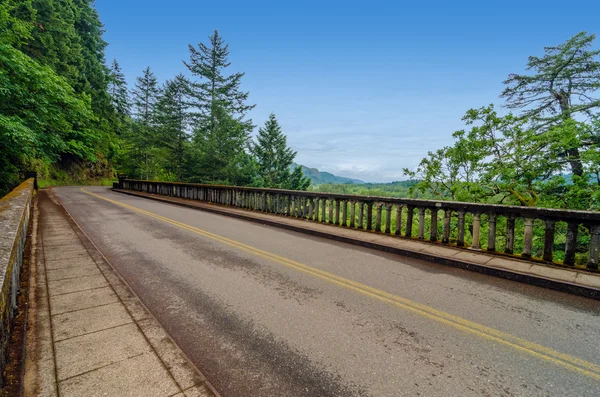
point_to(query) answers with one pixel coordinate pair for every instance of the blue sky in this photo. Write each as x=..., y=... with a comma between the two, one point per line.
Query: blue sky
x=362, y=89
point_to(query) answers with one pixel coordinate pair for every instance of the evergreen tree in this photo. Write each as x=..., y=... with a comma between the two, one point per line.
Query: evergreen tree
x=144, y=97
x=221, y=147
x=172, y=121
x=117, y=88
x=297, y=180
x=275, y=159
x=215, y=89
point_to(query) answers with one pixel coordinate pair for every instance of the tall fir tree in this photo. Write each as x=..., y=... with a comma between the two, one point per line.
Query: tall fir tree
x=144, y=97
x=117, y=88
x=172, y=120
x=275, y=158
x=219, y=108
x=208, y=64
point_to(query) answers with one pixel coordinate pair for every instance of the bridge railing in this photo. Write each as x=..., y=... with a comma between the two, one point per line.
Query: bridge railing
x=562, y=236
x=15, y=210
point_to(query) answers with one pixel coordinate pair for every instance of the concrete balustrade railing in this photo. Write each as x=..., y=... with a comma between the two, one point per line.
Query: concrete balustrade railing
x=15, y=210
x=525, y=231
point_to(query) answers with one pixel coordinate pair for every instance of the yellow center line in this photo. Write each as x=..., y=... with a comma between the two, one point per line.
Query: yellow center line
x=567, y=361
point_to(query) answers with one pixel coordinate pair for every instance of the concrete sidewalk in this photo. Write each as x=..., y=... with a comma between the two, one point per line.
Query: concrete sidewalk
x=574, y=281
x=89, y=335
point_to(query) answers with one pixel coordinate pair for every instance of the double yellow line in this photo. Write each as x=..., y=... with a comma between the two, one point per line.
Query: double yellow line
x=564, y=360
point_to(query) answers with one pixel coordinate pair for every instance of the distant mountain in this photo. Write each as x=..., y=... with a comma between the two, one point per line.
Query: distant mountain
x=318, y=177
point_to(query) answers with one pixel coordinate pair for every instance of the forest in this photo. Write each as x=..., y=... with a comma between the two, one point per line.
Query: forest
x=68, y=114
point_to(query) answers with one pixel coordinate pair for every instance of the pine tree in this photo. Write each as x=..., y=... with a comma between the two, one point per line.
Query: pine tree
x=144, y=97
x=117, y=88
x=297, y=180
x=273, y=156
x=172, y=121
x=208, y=63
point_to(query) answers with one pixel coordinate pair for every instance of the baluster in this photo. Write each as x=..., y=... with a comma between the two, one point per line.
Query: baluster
x=549, y=240
x=528, y=238
x=491, y=232
x=510, y=234
x=446, y=233
x=422, y=223
x=344, y=221
x=352, y=213
x=388, y=219
x=398, y=230
x=379, y=207
x=409, y=220
x=337, y=212
x=361, y=214
x=571, y=243
x=476, y=244
x=323, y=210
x=592, y=263
x=306, y=205
x=316, y=214
x=330, y=207
x=369, y=216
x=434, y=229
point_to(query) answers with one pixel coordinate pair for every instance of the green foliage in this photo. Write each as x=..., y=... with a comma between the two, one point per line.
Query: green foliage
x=171, y=121
x=524, y=159
x=208, y=64
x=275, y=159
x=52, y=88
x=117, y=89
x=221, y=146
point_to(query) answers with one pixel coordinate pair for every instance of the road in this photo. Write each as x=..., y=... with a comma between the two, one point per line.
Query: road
x=267, y=312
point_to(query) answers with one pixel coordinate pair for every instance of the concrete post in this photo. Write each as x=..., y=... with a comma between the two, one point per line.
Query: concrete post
x=378, y=217
x=344, y=213
x=446, y=233
x=409, y=220
x=571, y=243
x=369, y=216
x=323, y=210
x=476, y=244
x=549, y=240
x=594, y=253
x=361, y=215
x=460, y=240
x=352, y=213
x=528, y=238
x=434, y=229
x=398, y=230
x=337, y=212
x=491, y=232
x=422, y=223
x=388, y=219
x=510, y=234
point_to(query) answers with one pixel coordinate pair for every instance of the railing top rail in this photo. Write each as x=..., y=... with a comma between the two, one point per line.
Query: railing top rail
x=534, y=212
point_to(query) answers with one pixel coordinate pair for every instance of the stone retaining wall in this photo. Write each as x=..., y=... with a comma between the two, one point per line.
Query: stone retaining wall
x=15, y=211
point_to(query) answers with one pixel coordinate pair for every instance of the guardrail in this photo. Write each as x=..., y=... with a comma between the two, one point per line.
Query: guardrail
x=15, y=211
x=551, y=235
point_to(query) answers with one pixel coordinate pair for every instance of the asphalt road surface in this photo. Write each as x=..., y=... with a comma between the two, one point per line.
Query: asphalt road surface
x=267, y=312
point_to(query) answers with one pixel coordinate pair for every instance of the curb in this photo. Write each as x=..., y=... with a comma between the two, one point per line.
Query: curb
x=527, y=278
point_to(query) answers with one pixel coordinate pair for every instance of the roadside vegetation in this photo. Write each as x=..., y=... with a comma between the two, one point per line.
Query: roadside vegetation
x=69, y=116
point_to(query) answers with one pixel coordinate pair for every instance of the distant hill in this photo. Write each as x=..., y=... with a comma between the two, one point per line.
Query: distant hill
x=319, y=177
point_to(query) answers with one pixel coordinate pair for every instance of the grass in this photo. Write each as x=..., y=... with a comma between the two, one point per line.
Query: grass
x=44, y=183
